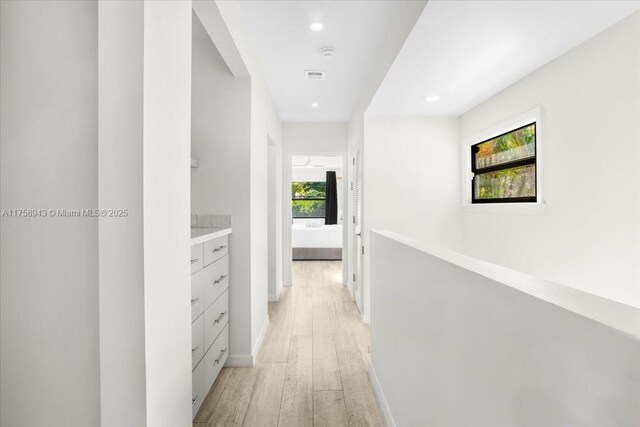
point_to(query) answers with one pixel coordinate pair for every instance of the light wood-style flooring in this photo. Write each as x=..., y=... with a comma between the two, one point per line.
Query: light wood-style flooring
x=312, y=368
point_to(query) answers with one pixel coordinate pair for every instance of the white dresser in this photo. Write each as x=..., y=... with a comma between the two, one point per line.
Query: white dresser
x=209, y=309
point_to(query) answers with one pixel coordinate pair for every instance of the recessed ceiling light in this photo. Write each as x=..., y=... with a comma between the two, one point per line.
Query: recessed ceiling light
x=431, y=98
x=315, y=105
x=316, y=26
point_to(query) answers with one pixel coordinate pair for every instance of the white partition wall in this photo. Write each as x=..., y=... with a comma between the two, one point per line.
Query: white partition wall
x=49, y=343
x=460, y=342
x=121, y=251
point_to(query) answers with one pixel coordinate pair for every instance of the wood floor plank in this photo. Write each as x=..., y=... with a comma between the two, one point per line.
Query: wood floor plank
x=296, y=409
x=212, y=399
x=275, y=347
x=326, y=371
x=360, y=402
x=303, y=320
x=329, y=409
x=264, y=406
x=342, y=330
x=359, y=331
x=234, y=400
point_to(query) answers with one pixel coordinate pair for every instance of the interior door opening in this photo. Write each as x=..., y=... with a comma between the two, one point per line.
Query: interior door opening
x=317, y=208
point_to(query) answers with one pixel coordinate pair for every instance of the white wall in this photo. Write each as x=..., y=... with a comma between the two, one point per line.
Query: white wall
x=265, y=126
x=452, y=346
x=413, y=186
x=309, y=139
x=144, y=107
x=406, y=15
x=220, y=140
x=121, y=251
x=167, y=132
x=103, y=334
x=588, y=236
x=314, y=174
x=49, y=340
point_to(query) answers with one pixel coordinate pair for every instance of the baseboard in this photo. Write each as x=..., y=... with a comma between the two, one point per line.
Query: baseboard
x=365, y=318
x=276, y=297
x=248, y=360
x=239, y=361
x=382, y=400
x=261, y=335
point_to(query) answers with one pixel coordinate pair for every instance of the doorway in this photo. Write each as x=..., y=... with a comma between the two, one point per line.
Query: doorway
x=317, y=207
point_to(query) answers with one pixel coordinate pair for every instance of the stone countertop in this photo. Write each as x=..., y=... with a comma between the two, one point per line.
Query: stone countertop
x=202, y=234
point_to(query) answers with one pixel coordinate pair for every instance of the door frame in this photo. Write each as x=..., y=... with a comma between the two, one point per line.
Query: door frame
x=287, y=207
x=356, y=239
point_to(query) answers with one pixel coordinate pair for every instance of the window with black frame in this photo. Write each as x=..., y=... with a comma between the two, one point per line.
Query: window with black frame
x=308, y=199
x=504, y=167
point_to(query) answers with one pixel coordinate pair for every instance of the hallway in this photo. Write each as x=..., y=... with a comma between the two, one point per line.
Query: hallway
x=312, y=368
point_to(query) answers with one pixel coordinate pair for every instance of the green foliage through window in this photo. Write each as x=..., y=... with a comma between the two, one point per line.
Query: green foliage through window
x=308, y=199
x=504, y=167
x=507, y=183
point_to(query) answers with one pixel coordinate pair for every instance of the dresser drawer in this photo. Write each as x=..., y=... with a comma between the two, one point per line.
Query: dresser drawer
x=197, y=261
x=198, y=392
x=215, y=318
x=197, y=341
x=217, y=280
x=198, y=282
x=214, y=358
x=215, y=249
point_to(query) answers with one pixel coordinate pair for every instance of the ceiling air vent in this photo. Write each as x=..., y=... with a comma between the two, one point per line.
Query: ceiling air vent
x=313, y=75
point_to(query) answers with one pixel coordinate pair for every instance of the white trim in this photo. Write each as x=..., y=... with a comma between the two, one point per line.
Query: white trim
x=248, y=360
x=261, y=335
x=533, y=115
x=276, y=297
x=504, y=208
x=365, y=318
x=623, y=317
x=239, y=361
x=382, y=400
x=213, y=22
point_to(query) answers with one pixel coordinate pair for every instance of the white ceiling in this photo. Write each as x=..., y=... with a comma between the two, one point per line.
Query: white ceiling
x=286, y=47
x=467, y=51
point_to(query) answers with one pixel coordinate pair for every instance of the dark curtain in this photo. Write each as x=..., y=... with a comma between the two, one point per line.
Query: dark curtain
x=331, y=206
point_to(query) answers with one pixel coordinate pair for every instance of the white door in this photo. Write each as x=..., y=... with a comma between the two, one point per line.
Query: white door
x=357, y=238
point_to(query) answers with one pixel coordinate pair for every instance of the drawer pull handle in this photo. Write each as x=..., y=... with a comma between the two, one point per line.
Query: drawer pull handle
x=220, y=279
x=224, y=350
x=220, y=317
x=193, y=350
x=193, y=261
x=195, y=399
x=193, y=301
x=219, y=248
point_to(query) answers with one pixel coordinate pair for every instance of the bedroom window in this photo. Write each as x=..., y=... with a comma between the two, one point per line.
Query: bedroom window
x=308, y=199
x=504, y=167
